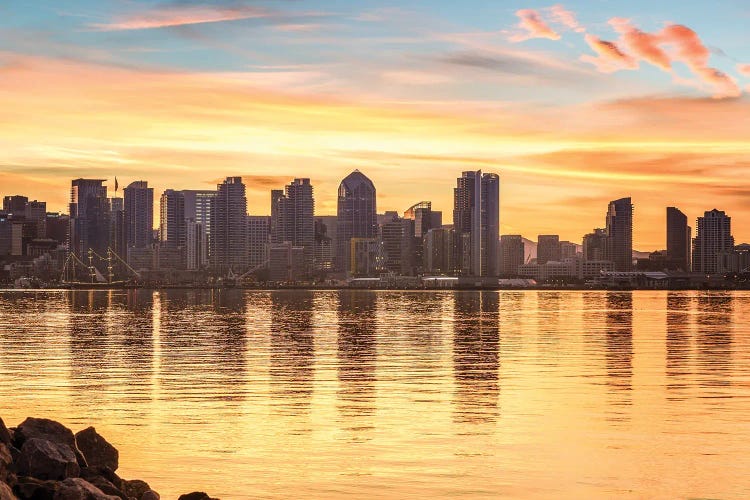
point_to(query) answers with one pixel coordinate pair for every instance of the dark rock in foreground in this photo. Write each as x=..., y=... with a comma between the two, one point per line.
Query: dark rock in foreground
x=43, y=460
x=96, y=449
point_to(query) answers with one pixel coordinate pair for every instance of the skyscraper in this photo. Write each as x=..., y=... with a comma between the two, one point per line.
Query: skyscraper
x=714, y=236
x=548, y=248
x=139, y=215
x=595, y=245
x=15, y=205
x=292, y=217
x=620, y=234
x=476, y=222
x=89, y=217
x=424, y=219
x=678, y=238
x=228, y=237
x=172, y=222
x=356, y=215
x=258, y=239
x=199, y=206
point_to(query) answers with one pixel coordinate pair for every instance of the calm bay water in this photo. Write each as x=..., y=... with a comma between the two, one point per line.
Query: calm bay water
x=394, y=394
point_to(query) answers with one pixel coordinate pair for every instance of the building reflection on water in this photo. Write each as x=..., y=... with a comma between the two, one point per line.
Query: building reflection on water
x=678, y=362
x=111, y=347
x=714, y=342
x=292, y=351
x=357, y=356
x=476, y=336
x=619, y=348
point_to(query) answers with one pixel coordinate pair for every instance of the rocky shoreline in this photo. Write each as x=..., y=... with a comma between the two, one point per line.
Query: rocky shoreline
x=41, y=459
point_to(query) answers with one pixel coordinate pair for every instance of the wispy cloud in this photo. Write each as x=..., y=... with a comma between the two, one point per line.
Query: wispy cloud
x=610, y=57
x=567, y=18
x=181, y=16
x=532, y=26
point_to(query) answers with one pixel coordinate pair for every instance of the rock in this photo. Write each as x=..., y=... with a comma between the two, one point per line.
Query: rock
x=44, y=459
x=150, y=495
x=196, y=495
x=107, y=487
x=75, y=488
x=43, y=428
x=36, y=489
x=6, y=462
x=89, y=473
x=135, y=488
x=6, y=493
x=5, y=436
x=96, y=449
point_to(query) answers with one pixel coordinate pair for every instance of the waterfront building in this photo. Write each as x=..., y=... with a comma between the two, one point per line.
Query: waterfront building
x=139, y=215
x=713, y=237
x=286, y=263
x=548, y=248
x=324, y=244
x=196, y=246
x=424, y=219
x=512, y=254
x=15, y=205
x=356, y=216
x=595, y=245
x=292, y=217
x=736, y=260
x=568, y=250
x=228, y=236
x=397, y=237
x=619, y=247
x=678, y=239
x=89, y=218
x=258, y=242
x=199, y=206
x=438, y=253
x=366, y=257
x=172, y=221
x=476, y=222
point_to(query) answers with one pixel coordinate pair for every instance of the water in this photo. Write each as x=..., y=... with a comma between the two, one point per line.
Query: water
x=395, y=394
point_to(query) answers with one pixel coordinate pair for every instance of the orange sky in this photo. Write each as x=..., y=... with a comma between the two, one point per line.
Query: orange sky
x=559, y=162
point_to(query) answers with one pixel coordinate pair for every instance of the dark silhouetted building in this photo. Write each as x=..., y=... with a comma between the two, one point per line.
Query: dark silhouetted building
x=15, y=205
x=512, y=254
x=139, y=215
x=713, y=237
x=620, y=234
x=678, y=239
x=548, y=248
x=258, y=239
x=89, y=217
x=292, y=217
x=228, y=237
x=356, y=216
x=476, y=223
x=595, y=245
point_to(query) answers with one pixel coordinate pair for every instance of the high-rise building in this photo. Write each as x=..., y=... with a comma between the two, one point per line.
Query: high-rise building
x=678, y=239
x=620, y=234
x=356, y=216
x=258, y=239
x=713, y=236
x=199, y=206
x=15, y=205
x=397, y=237
x=438, y=250
x=424, y=219
x=476, y=223
x=196, y=246
x=139, y=215
x=548, y=248
x=595, y=245
x=89, y=217
x=172, y=222
x=228, y=236
x=292, y=217
x=512, y=254
x=325, y=238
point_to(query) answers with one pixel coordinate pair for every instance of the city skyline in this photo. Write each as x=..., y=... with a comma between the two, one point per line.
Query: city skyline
x=177, y=93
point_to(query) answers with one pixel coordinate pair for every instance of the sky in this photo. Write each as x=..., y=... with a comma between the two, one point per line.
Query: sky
x=573, y=104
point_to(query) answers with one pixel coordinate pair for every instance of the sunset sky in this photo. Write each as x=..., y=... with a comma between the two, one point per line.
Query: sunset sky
x=573, y=104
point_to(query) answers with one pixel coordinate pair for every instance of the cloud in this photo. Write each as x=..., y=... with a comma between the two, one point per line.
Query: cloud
x=182, y=16
x=673, y=43
x=610, y=57
x=566, y=18
x=744, y=69
x=534, y=26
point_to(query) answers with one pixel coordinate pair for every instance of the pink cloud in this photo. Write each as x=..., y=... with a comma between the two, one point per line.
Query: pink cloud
x=534, y=26
x=165, y=18
x=566, y=18
x=643, y=45
x=610, y=57
x=744, y=69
